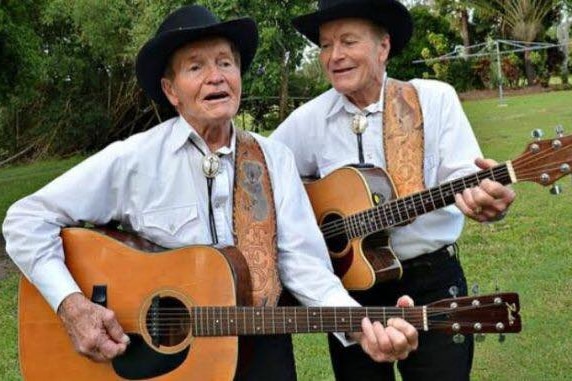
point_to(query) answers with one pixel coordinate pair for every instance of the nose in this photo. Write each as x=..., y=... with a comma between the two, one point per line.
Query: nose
x=214, y=75
x=338, y=51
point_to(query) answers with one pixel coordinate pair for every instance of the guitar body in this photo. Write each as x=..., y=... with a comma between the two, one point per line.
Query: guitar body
x=360, y=262
x=135, y=280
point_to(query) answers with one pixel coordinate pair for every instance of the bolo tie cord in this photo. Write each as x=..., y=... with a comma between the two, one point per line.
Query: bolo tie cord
x=359, y=125
x=212, y=224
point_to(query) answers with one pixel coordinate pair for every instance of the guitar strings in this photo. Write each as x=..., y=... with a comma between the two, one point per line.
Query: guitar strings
x=385, y=214
x=244, y=316
x=500, y=172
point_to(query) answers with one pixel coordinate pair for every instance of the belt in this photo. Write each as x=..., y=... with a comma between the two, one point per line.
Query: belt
x=434, y=258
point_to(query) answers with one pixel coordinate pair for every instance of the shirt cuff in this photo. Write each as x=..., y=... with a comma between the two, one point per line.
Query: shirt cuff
x=54, y=282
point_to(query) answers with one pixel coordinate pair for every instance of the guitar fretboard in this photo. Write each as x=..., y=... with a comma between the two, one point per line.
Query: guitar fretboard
x=398, y=211
x=232, y=321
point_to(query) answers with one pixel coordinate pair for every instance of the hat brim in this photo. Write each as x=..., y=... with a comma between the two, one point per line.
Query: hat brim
x=154, y=55
x=393, y=16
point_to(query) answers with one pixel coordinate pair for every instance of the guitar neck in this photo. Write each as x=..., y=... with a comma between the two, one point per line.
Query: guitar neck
x=495, y=313
x=233, y=321
x=401, y=210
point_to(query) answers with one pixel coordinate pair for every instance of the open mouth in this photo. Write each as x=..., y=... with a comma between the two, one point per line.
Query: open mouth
x=342, y=70
x=217, y=96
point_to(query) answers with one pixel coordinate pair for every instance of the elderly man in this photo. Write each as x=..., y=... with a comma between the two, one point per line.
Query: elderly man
x=194, y=179
x=419, y=133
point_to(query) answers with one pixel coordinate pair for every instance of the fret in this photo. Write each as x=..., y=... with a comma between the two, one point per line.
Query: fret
x=207, y=320
x=295, y=320
x=321, y=319
x=429, y=199
x=384, y=317
x=228, y=321
x=350, y=316
x=273, y=322
x=410, y=207
x=390, y=221
x=464, y=184
x=422, y=203
x=263, y=322
x=347, y=223
x=307, y=320
x=400, y=205
x=441, y=195
x=243, y=309
x=284, y=319
x=335, y=318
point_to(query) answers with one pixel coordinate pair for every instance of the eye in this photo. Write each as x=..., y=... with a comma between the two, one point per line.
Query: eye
x=325, y=45
x=193, y=67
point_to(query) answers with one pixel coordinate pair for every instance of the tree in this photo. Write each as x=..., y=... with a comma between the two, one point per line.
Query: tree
x=522, y=19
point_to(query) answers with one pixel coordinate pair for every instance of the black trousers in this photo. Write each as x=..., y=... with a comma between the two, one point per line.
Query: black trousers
x=426, y=279
x=266, y=358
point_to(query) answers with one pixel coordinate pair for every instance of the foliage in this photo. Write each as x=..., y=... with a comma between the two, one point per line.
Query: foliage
x=527, y=252
x=425, y=22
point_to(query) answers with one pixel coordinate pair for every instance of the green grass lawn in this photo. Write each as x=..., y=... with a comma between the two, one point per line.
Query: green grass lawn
x=528, y=252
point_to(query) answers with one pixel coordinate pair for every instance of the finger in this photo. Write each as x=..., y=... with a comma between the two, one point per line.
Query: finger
x=113, y=328
x=407, y=330
x=405, y=301
x=109, y=349
x=485, y=163
x=382, y=349
x=367, y=330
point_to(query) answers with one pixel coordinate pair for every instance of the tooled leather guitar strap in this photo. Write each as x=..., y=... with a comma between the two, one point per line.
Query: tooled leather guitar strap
x=254, y=219
x=403, y=140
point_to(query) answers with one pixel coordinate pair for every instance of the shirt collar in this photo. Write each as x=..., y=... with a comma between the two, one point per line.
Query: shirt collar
x=341, y=102
x=182, y=131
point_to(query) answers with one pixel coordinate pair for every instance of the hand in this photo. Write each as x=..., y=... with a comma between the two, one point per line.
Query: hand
x=93, y=329
x=489, y=201
x=391, y=343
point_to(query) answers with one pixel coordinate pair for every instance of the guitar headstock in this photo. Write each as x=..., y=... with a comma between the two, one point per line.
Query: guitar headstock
x=494, y=313
x=545, y=161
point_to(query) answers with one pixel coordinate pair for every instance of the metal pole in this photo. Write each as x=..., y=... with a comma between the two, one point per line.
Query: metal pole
x=499, y=69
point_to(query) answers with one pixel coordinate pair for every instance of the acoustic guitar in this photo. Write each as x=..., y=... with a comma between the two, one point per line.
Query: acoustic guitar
x=354, y=207
x=183, y=310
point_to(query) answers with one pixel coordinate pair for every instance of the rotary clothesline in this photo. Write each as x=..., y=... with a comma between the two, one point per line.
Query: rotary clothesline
x=492, y=48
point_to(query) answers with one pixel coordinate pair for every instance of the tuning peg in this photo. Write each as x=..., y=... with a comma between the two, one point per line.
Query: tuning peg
x=556, y=189
x=454, y=291
x=537, y=133
x=475, y=289
x=479, y=337
x=502, y=337
x=458, y=338
x=559, y=131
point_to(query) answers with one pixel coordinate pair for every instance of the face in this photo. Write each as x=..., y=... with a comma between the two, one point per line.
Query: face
x=204, y=84
x=353, y=55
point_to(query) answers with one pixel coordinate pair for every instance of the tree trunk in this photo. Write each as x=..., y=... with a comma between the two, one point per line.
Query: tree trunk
x=283, y=104
x=529, y=69
x=465, y=31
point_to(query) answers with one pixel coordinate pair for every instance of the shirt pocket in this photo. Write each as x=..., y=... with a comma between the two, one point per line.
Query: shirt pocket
x=172, y=226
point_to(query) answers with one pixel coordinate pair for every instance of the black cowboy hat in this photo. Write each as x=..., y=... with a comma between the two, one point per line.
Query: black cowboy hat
x=185, y=25
x=390, y=14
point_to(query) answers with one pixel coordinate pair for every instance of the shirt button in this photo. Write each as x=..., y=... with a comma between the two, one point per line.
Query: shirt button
x=172, y=228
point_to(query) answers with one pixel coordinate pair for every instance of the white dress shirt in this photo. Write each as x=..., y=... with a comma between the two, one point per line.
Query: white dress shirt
x=320, y=136
x=153, y=184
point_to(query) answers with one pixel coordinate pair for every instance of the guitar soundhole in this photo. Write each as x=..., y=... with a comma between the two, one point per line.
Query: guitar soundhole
x=334, y=233
x=168, y=321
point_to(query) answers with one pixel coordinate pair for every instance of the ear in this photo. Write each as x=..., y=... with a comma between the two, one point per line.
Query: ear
x=385, y=47
x=167, y=87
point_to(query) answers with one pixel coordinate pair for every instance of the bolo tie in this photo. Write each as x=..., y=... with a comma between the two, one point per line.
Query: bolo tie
x=359, y=125
x=210, y=165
